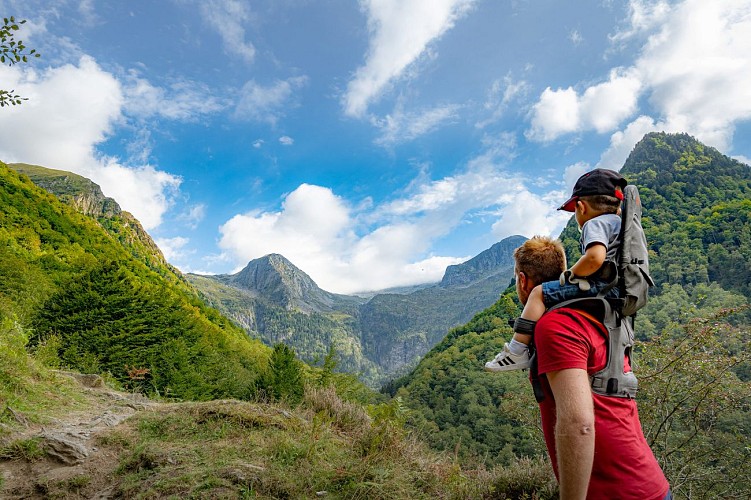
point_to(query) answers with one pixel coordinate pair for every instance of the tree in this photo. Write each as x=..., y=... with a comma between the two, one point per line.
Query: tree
x=12, y=52
x=284, y=378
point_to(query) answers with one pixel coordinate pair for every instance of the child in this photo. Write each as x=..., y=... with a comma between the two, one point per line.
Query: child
x=595, y=202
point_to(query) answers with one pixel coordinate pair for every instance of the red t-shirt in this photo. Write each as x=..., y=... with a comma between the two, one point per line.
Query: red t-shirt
x=624, y=466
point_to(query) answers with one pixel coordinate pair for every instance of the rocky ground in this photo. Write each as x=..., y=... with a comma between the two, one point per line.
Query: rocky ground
x=72, y=462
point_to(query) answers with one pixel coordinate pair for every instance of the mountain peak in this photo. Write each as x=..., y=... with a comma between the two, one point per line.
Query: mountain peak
x=486, y=264
x=278, y=280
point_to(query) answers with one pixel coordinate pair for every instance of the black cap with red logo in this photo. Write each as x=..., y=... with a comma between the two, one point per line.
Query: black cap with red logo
x=598, y=181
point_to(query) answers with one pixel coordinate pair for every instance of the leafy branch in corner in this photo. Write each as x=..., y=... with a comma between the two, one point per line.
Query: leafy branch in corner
x=12, y=52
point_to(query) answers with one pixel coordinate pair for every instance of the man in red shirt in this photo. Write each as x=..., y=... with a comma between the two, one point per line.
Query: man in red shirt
x=595, y=443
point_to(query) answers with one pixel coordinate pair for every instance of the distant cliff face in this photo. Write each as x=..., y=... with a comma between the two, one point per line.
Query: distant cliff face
x=485, y=265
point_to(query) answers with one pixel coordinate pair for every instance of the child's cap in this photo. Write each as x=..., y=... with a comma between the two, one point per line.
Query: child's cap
x=598, y=181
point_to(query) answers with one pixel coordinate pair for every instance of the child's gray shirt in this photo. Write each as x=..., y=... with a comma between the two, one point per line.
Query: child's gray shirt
x=605, y=229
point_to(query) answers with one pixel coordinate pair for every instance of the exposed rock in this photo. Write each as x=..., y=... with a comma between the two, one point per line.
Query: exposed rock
x=66, y=447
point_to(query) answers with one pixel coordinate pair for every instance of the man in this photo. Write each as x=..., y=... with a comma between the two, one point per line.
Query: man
x=595, y=443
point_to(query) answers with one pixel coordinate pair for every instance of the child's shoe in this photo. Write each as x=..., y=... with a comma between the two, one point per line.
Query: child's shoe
x=507, y=361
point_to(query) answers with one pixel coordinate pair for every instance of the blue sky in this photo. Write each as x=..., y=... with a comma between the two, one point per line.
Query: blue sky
x=372, y=143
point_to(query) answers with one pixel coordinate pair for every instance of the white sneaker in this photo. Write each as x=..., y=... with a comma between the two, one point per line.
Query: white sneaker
x=507, y=361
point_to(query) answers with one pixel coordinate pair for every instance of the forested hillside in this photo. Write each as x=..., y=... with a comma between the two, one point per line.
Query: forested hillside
x=75, y=283
x=692, y=359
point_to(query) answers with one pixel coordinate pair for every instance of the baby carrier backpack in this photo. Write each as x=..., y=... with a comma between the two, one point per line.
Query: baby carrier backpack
x=631, y=276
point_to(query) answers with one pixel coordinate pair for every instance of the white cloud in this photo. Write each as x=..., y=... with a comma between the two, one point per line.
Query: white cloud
x=71, y=109
x=181, y=100
x=622, y=142
x=258, y=143
x=286, y=140
x=600, y=107
x=228, y=17
x=194, y=215
x=528, y=214
x=172, y=248
x=644, y=15
x=742, y=159
x=268, y=104
x=694, y=68
x=575, y=37
x=501, y=93
x=400, y=33
x=702, y=88
x=400, y=126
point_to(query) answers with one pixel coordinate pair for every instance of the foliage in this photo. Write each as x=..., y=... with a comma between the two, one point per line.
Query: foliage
x=28, y=391
x=284, y=378
x=458, y=407
x=696, y=413
x=12, y=52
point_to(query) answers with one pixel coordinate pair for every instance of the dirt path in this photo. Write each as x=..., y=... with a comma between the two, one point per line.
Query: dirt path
x=74, y=465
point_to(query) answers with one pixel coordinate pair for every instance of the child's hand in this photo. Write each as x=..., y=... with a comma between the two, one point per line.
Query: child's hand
x=567, y=277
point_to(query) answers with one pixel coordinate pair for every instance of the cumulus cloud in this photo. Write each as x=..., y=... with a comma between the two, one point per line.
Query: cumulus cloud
x=401, y=126
x=172, y=248
x=529, y=214
x=700, y=88
x=286, y=140
x=71, y=109
x=400, y=32
x=268, y=104
x=228, y=17
x=622, y=142
x=601, y=107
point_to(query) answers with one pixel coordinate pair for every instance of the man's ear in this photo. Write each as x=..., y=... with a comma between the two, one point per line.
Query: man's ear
x=523, y=280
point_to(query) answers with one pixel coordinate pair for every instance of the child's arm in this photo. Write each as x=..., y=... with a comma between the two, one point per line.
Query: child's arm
x=591, y=261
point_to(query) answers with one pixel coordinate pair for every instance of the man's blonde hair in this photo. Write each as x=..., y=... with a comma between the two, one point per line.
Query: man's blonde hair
x=541, y=259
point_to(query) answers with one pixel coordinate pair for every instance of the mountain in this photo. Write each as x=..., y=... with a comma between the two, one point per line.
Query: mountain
x=487, y=264
x=94, y=293
x=283, y=284
x=87, y=198
x=377, y=337
x=697, y=220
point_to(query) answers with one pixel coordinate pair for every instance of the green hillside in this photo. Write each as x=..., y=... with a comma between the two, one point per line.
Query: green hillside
x=69, y=279
x=692, y=362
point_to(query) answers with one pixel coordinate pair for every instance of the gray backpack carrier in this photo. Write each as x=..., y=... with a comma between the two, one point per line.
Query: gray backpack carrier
x=617, y=315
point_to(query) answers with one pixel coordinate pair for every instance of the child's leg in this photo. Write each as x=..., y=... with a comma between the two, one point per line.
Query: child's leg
x=515, y=354
x=533, y=310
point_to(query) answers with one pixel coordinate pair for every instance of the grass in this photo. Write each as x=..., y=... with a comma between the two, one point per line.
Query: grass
x=29, y=392
x=251, y=450
x=27, y=449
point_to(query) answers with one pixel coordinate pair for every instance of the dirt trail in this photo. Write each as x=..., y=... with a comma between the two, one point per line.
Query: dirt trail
x=74, y=466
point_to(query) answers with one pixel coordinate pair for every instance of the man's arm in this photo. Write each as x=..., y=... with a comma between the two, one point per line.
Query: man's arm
x=574, y=430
